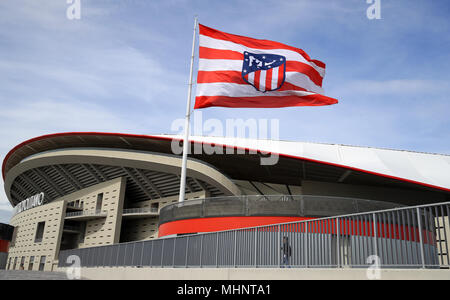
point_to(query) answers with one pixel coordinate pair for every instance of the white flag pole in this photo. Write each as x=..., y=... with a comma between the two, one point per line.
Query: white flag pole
x=186, y=122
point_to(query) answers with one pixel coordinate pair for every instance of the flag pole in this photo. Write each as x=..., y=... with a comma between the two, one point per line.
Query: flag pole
x=186, y=121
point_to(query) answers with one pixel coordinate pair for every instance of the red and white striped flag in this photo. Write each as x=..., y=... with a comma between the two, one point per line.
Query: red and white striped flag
x=238, y=71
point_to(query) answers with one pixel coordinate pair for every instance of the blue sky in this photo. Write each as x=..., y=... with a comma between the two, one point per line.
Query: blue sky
x=124, y=67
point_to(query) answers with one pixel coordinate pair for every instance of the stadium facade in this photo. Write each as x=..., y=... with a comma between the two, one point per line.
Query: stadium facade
x=81, y=190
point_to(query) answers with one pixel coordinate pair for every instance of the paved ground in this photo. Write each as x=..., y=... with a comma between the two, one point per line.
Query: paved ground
x=130, y=273
x=31, y=275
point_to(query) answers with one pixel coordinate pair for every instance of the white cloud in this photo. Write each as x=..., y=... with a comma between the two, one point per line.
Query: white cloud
x=392, y=87
x=48, y=115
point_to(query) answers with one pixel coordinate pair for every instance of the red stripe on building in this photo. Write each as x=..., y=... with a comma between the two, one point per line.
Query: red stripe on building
x=4, y=246
x=346, y=228
x=220, y=224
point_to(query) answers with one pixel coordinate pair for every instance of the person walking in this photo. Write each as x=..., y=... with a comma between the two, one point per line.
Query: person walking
x=287, y=251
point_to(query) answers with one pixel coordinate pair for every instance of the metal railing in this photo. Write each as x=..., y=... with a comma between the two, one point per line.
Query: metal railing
x=268, y=205
x=83, y=213
x=410, y=237
x=142, y=210
x=75, y=205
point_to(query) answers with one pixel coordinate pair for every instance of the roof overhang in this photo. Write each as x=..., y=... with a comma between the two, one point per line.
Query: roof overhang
x=408, y=169
x=128, y=160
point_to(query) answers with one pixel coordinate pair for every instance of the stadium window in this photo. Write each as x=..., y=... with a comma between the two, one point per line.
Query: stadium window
x=22, y=263
x=30, y=265
x=82, y=233
x=14, y=235
x=39, y=232
x=99, y=201
x=42, y=263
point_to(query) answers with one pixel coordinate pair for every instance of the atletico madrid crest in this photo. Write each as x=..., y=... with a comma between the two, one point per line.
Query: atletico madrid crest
x=265, y=72
x=239, y=71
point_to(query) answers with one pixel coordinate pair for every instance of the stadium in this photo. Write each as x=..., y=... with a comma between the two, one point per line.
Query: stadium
x=108, y=193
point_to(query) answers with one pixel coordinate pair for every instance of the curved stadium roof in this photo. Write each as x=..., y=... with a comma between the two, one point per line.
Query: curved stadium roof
x=311, y=161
